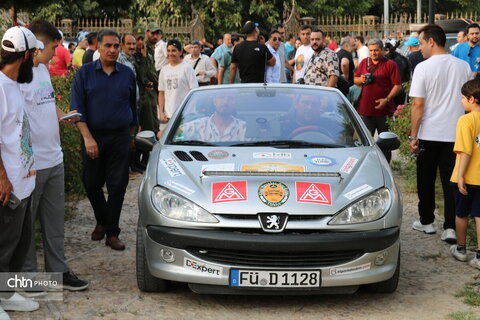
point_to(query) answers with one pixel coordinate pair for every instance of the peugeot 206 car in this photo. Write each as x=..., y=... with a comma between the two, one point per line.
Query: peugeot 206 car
x=267, y=189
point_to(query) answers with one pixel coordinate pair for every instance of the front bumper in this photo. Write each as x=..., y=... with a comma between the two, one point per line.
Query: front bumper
x=191, y=267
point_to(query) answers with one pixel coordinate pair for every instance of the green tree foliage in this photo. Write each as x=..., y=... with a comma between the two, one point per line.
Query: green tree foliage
x=74, y=9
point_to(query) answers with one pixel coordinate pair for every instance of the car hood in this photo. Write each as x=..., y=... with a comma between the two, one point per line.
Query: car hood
x=297, y=181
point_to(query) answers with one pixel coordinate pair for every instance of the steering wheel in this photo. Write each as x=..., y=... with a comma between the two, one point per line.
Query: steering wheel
x=299, y=131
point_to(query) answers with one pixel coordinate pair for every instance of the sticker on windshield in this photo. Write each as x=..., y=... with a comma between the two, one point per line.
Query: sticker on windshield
x=229, y=191
x=355, y=269
x=206, y=269
x=358, y=191
x=348, y=165
x=272, y=155
x=272, y=167
x=313, y=192
x=321, y=161
x=179, y=187
x=172, y=167
x=218, y=154
x=218, y=167
x=273, y=193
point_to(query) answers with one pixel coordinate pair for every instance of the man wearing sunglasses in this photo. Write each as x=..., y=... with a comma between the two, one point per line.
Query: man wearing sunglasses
x=273, y=72
x=470, y=50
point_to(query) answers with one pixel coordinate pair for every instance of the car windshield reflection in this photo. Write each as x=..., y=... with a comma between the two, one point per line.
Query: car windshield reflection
x=280, y=117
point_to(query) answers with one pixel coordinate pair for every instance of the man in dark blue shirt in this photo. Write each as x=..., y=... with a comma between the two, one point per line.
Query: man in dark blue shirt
x=104, y=93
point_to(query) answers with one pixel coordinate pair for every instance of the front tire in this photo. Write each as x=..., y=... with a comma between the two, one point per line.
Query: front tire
x=145, y=280
x=389, y=285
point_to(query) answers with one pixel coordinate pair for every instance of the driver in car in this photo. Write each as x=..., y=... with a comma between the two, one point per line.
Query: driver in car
x=221, y=126
x=312, y=114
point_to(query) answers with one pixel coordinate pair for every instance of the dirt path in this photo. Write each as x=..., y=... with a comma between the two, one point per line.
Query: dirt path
x=429, y=279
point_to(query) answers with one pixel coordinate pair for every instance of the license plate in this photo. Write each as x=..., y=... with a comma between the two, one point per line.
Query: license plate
x=275, y=279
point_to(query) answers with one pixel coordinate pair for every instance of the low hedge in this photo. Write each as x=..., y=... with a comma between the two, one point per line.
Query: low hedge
x=70, y=138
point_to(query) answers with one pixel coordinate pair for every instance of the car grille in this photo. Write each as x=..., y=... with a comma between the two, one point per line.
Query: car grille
x=276, y=259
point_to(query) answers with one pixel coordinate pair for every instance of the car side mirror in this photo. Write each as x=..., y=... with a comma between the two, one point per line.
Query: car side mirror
x=145, y=140
x=388, y=141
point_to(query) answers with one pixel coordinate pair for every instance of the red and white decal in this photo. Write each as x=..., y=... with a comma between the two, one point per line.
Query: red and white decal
x=313, y=192
x=348, y=165
x=229, y=191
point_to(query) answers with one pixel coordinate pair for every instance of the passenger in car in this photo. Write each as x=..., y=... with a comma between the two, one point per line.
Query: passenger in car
x=221, y=126
x=312, y=114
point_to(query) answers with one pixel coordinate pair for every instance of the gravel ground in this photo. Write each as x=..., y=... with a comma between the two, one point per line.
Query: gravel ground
x=429, y=278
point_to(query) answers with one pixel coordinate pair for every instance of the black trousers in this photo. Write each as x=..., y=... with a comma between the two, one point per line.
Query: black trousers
x=15, y=232
x=110, y=168
x=380, y=125
x=435, y=155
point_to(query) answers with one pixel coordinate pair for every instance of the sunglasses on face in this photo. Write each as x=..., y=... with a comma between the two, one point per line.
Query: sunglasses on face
x=276, y=39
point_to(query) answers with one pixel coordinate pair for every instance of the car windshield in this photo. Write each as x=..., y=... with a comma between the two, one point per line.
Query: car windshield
x=270, y=116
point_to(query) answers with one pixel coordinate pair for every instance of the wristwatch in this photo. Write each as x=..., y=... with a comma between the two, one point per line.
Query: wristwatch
x=412, y=138
x=388, y=99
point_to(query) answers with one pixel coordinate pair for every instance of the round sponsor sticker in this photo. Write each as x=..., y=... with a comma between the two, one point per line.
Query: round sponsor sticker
x=321, y=161
x=273, y=193
x=218, y=154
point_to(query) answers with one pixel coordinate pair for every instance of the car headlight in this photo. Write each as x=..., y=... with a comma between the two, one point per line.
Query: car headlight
x=176, y=207
x=370, y=208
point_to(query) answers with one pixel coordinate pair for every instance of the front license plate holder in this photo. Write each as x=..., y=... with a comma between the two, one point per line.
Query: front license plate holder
x=295, y=279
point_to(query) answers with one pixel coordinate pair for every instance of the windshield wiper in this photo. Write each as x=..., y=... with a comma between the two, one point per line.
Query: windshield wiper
x=289, y=144
x=193, y=143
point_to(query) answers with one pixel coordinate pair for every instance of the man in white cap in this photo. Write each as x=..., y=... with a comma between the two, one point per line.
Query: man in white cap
x=17, y=171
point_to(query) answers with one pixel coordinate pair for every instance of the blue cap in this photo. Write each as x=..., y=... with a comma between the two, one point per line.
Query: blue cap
x=412, y=41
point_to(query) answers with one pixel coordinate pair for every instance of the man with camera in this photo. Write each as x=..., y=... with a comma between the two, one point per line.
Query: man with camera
x=380, y=82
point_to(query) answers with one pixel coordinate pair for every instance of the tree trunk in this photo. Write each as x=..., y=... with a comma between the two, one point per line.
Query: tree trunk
x=14, y=14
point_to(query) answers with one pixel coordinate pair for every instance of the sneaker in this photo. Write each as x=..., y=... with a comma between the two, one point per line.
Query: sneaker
x=18, y=303
x=33, y=292
x=427, y=228
x=72, y=283
x=3, y=315
x=449, y=236
x=459, y=255
x=475, y=262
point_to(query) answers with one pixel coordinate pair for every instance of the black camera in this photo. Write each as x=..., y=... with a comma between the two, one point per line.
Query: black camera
x=369, y=78
x=301, y=81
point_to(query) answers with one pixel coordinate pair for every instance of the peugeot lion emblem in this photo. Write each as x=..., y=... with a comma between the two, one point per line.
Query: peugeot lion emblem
x=273, y=222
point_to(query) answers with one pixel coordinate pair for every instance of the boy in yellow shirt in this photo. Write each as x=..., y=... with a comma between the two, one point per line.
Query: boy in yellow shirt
x=466, y=175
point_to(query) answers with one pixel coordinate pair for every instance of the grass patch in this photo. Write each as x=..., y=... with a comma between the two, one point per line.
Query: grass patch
x=462, y=316
x=406, y=172
x=470, y=293
x=433, y=257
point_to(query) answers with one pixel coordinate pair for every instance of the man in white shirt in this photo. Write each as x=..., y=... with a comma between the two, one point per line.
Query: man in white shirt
x=175, y=81
x=48, y=201
x=17, y=170
x=273, y=72
x=362, y=49
x=304, y=53
x=436, y=108
x=204, y=70
x=160, y=56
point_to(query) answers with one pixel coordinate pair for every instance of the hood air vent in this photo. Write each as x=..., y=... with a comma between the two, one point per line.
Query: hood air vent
x=198, y=156
x=183, y=156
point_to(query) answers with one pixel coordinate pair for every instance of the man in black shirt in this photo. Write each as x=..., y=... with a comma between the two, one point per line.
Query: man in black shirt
x=92, y=47
x=345, y=59
x=415, y=55
x=251, y=57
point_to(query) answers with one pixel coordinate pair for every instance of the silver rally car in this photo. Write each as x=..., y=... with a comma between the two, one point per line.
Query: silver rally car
x=268, y=189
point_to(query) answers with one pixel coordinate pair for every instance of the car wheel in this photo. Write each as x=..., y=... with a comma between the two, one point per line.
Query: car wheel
x=145, y=281
x=389, y=285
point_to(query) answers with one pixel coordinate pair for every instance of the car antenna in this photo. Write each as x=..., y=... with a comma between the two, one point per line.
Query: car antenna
x=265, y=71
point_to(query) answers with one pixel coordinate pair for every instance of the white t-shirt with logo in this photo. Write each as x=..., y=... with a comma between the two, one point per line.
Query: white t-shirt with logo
x=302, y=56
x=439, y=80
x=41, y=110
x=15, y=143
x=176, y=81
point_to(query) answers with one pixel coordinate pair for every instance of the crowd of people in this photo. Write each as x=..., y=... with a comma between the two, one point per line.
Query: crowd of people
x=135, y=81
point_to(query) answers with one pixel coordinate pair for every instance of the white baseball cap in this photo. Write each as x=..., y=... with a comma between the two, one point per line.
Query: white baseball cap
x=22, y=40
